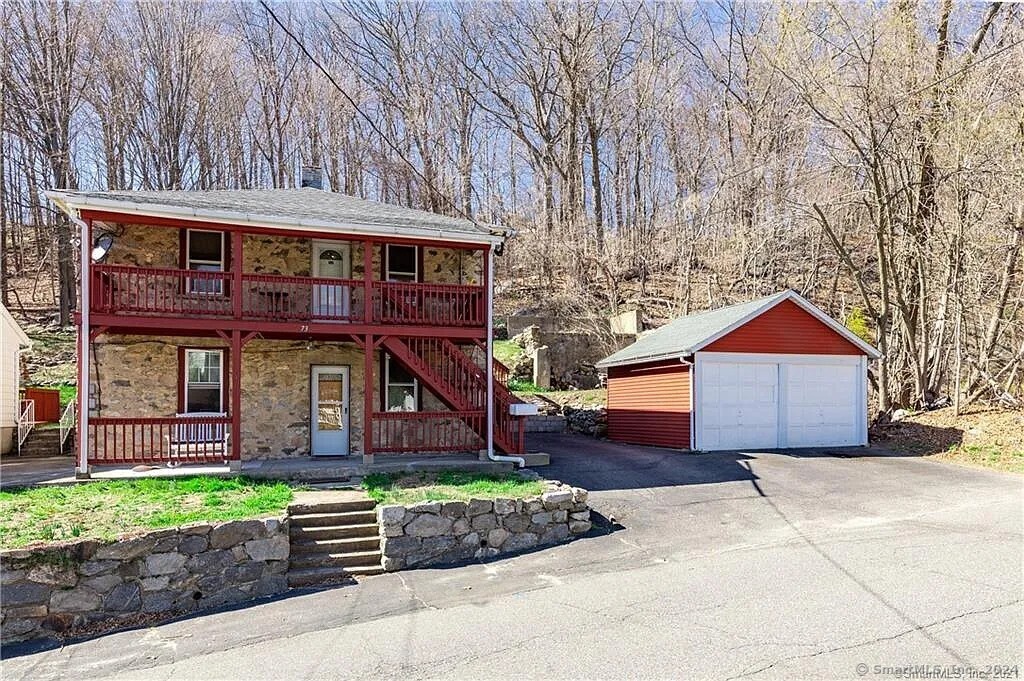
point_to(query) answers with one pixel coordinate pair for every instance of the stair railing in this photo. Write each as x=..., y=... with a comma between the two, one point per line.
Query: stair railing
x=68, y=419
x=26, y=421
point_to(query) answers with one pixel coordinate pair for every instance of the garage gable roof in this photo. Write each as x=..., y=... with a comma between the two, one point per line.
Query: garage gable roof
x=687, y=335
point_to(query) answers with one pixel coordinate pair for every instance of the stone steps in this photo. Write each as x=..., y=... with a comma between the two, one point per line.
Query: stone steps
x=327, y=575
x=43, y=442
x=333, y=532
x=355, y=559
x=334, y=537
x=326, y=519
x=370, y=542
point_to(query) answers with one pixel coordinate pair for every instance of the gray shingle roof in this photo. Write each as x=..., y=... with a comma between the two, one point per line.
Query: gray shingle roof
x=300, y=207
x=686, y=334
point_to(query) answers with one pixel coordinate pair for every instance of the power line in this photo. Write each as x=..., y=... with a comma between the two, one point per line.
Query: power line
x=373, y=125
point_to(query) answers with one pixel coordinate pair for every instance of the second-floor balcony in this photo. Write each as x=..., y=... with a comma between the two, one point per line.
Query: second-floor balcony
x=154, y=292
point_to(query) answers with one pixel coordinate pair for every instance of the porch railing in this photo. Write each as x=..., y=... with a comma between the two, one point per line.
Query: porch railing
x=434, y=304
x=192, y=439
x=139, y=290
x=68, y=419
x=419, y=431
x=26, y=420
x=124, y=289
x=276, y=297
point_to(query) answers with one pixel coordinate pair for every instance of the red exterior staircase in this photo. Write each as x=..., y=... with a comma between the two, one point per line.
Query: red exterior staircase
x=461, y=384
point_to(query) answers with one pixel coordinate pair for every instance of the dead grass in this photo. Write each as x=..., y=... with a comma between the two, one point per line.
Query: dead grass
x=991, y=438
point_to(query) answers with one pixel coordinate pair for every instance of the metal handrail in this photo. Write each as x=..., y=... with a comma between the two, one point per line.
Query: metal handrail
x=68, y=418
x=26, y=421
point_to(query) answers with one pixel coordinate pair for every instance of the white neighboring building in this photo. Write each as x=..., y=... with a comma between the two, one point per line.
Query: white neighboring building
x=12, y=342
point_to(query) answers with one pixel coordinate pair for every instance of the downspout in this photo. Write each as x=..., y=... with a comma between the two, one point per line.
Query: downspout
x=83, y=347
x=691, y=369
x=518, y=460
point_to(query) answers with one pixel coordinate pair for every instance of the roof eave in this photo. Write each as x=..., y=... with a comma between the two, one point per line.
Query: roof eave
x=69, y=203
x=645, y=359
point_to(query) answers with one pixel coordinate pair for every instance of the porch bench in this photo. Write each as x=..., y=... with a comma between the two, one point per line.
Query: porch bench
x=191, y=441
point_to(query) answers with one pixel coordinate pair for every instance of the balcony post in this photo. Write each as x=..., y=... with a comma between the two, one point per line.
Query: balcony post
x=84, y=306
x=235, y=463
x=368, y=383
x=368, y=281
x=236, y=273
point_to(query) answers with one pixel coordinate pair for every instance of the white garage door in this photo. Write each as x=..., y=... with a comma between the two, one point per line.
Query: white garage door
x=768, y=402
x=739, y=405
x=822, y=406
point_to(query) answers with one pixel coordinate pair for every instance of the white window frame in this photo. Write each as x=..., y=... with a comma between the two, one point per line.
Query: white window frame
x=415, y=260
x=186, y=382
x=218, y=288
x=388, y=385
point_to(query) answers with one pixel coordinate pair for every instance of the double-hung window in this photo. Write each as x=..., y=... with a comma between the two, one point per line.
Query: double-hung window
x=203, y=388
x=402, y=390
x=402, y=263
x=205, y=252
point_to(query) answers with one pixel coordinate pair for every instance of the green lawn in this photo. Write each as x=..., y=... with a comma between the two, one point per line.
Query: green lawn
x=103, y=510
x=507, y=352
x=402, y=488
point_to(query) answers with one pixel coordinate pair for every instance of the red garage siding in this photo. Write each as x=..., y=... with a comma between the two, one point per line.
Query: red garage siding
x=649, y=404
x=785, y=329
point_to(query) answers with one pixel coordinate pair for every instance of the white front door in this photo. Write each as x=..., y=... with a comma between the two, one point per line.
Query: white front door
x=739, y=405
x=331, y=260
x=822, y=405
x=329, y=419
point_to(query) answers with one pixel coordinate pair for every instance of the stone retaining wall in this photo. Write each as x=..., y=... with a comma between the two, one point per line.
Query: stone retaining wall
x=58, y=589
x=436, y=532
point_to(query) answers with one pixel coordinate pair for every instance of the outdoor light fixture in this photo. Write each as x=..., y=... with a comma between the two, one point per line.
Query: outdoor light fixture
x=101, y=247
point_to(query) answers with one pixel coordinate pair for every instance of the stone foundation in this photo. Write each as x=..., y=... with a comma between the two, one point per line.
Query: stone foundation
x=56, y=590
x=438, y=532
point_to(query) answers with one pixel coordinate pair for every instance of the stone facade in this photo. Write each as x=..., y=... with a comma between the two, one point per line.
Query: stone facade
x=137, y=376
x=55, y=590
x=148, y=246
x=439, y=532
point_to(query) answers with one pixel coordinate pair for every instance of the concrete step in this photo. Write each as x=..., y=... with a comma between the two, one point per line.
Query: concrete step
x=341, y=545
x=307, y=505
x=325, y=519
x=319, y=532
x=355, y=559
x=321, y=575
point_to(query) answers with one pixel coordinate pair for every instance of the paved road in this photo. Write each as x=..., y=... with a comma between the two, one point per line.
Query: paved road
x=727, y=566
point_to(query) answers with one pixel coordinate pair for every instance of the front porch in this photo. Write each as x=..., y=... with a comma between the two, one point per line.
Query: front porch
x=198, y=401
x=302, y=470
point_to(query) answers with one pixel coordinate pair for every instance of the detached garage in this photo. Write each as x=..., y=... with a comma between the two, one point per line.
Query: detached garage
x=773, y=373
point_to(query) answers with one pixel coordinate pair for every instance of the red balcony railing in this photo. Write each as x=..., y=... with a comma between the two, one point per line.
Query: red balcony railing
x=275, y=297
x=174, y=440
x=434, y=304
x=434, y=431
x=123, y=289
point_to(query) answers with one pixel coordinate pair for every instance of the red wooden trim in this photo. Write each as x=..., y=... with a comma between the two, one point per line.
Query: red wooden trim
x=368, y=303
x=181, y=379
x=140, y=324
x=183, y=248
x=368, y=396
x=235, y=267
x=236, y=395
x=133, y=219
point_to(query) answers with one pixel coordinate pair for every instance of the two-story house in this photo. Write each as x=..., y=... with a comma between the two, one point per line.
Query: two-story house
x=229, y=325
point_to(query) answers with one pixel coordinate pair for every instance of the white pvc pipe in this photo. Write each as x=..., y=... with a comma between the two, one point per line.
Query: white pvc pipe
x=83, y=340
x=520, y=461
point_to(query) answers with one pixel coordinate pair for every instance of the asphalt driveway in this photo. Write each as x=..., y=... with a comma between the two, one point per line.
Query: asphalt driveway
x=845, y=564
